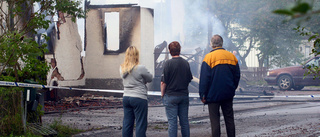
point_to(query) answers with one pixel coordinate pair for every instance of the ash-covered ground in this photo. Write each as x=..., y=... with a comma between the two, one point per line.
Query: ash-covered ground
x=256, y=116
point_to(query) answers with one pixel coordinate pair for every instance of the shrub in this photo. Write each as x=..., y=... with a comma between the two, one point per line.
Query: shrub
x=10, y=111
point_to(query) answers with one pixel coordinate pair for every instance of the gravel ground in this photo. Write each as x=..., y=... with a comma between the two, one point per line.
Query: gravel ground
x=256, y=117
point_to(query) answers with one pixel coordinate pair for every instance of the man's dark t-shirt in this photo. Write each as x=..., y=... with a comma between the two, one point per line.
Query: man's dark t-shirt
x=177, y=76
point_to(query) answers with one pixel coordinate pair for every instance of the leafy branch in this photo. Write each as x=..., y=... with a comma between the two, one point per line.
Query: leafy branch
x=304, y=11
x=22, y=57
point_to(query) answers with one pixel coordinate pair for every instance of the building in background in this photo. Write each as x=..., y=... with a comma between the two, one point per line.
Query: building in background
x=109, y=30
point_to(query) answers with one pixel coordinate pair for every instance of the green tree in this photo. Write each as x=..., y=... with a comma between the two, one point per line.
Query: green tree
x=306, y=16
x=22, y=57
x=250, y=26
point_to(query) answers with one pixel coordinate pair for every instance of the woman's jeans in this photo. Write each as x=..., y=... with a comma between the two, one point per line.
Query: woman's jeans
x=177, y=106
x=135, y=109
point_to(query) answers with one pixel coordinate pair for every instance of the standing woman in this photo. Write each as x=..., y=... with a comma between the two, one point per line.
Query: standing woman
x=135, y=102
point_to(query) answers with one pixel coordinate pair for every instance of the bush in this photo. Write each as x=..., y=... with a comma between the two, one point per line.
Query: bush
x=10, y=111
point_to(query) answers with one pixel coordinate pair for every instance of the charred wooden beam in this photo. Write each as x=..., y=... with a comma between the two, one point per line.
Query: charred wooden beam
x=110, y=6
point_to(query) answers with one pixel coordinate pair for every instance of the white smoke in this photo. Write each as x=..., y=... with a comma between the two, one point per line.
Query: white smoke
x=171, y=23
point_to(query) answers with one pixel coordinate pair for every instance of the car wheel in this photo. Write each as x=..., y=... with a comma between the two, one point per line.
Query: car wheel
x=285, y=82
x=298, y=87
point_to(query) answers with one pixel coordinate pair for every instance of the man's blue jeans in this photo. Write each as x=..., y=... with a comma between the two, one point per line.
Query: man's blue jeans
x=177, y=106
x=135, y=109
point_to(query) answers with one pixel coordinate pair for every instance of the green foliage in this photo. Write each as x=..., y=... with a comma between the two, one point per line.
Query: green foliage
x=10, y=114
x=244, y=25
x=249, y=25
x=302, y=8
x=70, y=7
x=299, y=8
x=22, y=57
x=34, y=117
x=303, y=12
x=312, y=37
x=64, y=130
x=313, y=69
x=284, y=12
x=29, y=134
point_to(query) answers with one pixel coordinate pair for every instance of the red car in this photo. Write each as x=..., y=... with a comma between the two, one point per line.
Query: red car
x=294, y=76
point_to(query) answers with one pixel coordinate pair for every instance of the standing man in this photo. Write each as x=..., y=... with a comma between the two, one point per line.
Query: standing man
x=175, y=79
x=219, y=78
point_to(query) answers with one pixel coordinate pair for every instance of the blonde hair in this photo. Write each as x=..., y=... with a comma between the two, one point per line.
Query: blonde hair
x=131, y=59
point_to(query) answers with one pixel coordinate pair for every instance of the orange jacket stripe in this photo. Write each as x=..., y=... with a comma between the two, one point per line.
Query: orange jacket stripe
x=217, y=57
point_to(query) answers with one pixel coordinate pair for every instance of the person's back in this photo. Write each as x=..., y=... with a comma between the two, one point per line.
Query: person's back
x=135, y=101
x=222, y=66
x=178, y=76
x=219, y=78
x=134, y=84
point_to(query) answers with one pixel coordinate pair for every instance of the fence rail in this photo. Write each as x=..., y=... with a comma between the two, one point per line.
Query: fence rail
x=254, y=73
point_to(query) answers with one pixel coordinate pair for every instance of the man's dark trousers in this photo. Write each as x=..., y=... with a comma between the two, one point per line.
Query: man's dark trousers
x=227, y=110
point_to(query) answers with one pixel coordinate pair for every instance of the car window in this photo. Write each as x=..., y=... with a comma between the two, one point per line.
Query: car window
x=313, y=62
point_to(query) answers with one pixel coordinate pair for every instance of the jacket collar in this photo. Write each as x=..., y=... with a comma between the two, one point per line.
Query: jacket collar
x=217, y=49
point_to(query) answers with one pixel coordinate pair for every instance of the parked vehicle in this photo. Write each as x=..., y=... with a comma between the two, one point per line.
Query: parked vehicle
x=294, y=76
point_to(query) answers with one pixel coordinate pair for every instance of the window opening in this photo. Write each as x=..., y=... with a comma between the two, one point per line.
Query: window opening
x=111, y=29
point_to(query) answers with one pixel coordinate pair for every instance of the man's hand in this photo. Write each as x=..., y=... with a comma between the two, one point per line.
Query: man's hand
x=203, y=100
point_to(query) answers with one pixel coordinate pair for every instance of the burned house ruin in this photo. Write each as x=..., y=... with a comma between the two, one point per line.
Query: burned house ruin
x=109, y=30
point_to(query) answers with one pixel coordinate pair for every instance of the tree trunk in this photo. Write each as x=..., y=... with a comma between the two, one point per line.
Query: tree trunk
x=243, y=58
x=11, y=16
